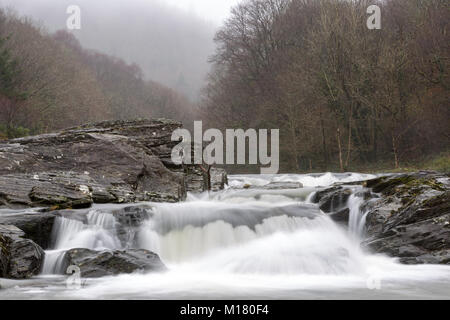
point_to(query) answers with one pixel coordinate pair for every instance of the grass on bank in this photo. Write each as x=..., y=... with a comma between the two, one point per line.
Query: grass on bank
x=440, y=163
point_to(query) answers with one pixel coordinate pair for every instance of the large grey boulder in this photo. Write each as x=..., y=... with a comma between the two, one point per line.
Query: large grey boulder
x=20, y=258
x=36, y=226
x=106, y=162
x=94, y=264
x=411, y=219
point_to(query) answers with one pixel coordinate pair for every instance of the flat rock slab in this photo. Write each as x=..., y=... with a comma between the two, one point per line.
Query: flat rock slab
x=94, y=264
x=106, y=162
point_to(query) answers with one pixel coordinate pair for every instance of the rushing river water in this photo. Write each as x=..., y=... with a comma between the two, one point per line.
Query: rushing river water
x=239, y=243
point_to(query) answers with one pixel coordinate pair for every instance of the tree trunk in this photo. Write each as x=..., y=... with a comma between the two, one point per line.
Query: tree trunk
x=340, y=149
x=349, y=143
x=294, y=145
x=374, y=141
x=394, y=148
x=324, y=143
x=207, y=175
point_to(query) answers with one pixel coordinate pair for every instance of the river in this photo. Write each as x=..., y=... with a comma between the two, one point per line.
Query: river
x=239, y=243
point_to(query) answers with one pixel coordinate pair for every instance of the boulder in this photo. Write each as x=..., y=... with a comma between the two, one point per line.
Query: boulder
x=342, y=216
x=219, y=179
x=20, y=258
x=426, y=241
x=36, y=226
x=106, y=162
x=407, y=215
x=332, y=199
x=129, y=220
x=411, y=219
x=94, y=264
x=133, y=216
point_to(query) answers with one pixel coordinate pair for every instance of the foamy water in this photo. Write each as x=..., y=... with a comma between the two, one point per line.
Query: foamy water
x=240, y=244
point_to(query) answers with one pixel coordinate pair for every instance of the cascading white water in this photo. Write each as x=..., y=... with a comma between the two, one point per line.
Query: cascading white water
x=97, y=233
x=307, y=180
x=357, y=218
x=245, y=243
x=232, y=224
x=192, y=243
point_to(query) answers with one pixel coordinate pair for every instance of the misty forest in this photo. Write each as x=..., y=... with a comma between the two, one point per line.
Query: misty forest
x=93, y=204
x=344, y=97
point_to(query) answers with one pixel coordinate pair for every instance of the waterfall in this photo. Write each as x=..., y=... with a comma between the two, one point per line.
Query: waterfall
x=280, y=245
x=280, y=230
x=192, y=243
x=357, y=218
x=97, y=233
x=237, y=243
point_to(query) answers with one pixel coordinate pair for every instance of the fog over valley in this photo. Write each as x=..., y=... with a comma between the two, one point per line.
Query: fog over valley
x=169, y=40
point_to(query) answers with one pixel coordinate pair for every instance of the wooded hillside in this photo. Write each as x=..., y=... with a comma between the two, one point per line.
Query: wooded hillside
x=48, y=82
x=341, y=94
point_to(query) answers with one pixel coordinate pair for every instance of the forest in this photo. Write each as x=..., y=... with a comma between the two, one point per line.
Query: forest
x=49, y=82
x=344, y=97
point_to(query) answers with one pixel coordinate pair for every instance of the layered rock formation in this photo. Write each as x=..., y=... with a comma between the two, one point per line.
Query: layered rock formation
x=407, y=215
x=411, y=219
x=107, y=162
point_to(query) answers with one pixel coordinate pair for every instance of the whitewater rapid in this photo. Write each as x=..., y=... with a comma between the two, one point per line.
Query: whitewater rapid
x=246, y=242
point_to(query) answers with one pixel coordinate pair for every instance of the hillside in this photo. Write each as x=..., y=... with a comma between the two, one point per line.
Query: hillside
x=49, y=81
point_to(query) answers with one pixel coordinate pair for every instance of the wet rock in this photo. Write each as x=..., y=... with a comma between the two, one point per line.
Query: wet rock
x=106, y=162
x=219, y=179
x=341, y=216
x=411, y=219
x=379, y=212
x=4, y=256
x=133, y=215
x=427, y=241
x=332, y=199
x=129, y=219
x=20, y=258
x=37, y=226
x=276, y=186
x=95, y=264
x=197, y=180
x=407, y=215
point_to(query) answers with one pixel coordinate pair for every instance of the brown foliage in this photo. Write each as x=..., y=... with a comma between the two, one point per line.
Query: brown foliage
x=66, y=85
x=312, y=68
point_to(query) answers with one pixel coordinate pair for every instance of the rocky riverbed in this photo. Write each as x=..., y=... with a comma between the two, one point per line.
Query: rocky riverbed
x=406, y=215
x=53, y=188
x=106, y=162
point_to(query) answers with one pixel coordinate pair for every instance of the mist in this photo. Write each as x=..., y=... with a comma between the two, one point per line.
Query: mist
x=170, y=44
